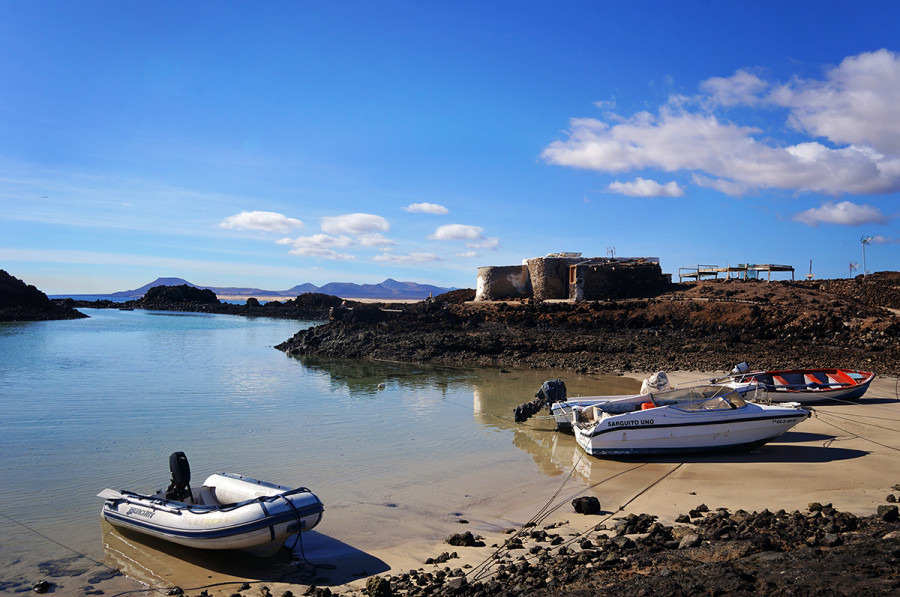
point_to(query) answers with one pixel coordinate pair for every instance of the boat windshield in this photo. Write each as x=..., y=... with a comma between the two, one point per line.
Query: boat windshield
x=700, y=398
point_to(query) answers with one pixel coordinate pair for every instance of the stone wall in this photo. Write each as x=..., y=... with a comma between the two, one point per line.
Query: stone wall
x=503, y=282
x=599, y=281
x=550, y=276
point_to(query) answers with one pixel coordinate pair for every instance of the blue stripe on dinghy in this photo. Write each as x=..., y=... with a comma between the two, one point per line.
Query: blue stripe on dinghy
x=597, y=432
x=239, y=529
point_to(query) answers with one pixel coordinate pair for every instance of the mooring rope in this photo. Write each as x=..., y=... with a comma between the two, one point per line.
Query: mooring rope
x=854, y=434
x=483, y=569
x=622, y=507
x=54, y=541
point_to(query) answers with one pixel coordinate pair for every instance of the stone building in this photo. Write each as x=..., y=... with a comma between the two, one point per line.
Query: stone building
x=573, y=277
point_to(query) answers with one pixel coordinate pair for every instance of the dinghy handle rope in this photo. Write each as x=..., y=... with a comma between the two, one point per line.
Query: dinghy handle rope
x=299, y=542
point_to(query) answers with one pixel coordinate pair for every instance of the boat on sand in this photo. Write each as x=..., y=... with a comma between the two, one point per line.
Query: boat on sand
x=805, y=386
x=678, y=421
x=229, y=511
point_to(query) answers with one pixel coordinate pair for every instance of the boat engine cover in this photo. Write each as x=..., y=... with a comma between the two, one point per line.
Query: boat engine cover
x=180, y=488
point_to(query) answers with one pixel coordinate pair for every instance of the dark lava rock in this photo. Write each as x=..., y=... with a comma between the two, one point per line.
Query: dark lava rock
x=758, y=553
x=466, y=539
x=378, y=587
x=889, y=513
x=159, y=296
x=586, y=505
x=23, y=302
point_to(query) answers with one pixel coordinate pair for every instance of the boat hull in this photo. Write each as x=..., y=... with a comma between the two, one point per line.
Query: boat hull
x=259, y=525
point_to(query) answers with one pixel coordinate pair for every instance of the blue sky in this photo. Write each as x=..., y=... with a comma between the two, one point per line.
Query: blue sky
x=272, y=144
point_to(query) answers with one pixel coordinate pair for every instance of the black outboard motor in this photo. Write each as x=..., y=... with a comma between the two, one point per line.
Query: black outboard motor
x=180, y=488
x=553, y=390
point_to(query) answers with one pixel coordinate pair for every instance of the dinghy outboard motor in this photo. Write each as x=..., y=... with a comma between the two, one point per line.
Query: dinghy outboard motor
x=180, y=488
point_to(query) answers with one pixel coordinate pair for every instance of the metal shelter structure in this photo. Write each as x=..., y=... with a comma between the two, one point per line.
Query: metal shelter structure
x=744, y=271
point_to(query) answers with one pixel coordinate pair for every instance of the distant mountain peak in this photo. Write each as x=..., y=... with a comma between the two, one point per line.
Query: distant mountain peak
x=389, y=289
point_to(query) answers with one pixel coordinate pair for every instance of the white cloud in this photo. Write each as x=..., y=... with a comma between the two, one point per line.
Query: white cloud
x=883, y=240
x=458, y=232
x=468, y=254
x=844, y=213
x=375, y=239
x=851, y=116
x=474, y=235
x=319, y=245
x=427, y=208
x=740, y=88
x=414, y=257
x=491, y=244
x=354, y=224
x=266, y=221
x=855, y=104
x=641, y=187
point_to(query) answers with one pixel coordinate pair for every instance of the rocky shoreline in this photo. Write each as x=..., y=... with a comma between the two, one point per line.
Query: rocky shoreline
x=706, y=326
x=23, y=302
x=821, y=551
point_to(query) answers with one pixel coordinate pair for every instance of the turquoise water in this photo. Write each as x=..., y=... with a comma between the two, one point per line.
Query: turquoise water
x=102, y=402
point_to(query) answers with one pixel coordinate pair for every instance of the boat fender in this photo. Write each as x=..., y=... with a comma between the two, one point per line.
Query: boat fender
x=180, y=487
x=647, y=406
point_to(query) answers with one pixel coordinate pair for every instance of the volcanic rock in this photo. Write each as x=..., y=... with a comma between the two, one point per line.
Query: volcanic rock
x=24, y=302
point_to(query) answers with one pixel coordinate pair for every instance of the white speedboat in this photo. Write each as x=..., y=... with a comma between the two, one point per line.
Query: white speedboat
x=681, y=420
x=228, y=511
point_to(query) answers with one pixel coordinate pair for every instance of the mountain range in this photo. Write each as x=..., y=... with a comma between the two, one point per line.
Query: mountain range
x=389, y=289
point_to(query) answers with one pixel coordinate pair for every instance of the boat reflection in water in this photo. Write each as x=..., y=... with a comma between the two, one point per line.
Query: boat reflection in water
x=161, y=565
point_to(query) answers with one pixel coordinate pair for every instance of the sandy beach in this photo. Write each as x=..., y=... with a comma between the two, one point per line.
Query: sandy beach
x=843, y=455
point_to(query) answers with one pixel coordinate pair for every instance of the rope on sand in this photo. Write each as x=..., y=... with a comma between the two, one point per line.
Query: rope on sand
x=483, y=569
x=848, y=432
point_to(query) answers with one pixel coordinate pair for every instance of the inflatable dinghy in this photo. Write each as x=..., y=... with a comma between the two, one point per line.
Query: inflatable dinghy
x=228, y=511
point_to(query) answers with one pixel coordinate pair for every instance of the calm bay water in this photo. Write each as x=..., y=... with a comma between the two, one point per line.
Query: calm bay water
x=102, y=402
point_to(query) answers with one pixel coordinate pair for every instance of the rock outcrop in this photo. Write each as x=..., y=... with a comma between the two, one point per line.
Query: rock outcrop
x=705, y=326
x=23, y=302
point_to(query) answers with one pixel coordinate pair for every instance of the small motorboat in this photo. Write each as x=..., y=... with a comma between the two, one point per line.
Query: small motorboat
x=806, y=385
x=228, y=511
x=681, y=420
x=654, y=387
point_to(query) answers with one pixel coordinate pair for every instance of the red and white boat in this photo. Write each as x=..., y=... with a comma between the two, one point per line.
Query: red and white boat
x=806, y=385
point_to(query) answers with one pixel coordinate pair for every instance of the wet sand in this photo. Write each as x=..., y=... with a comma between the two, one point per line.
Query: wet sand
x=843, y=455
